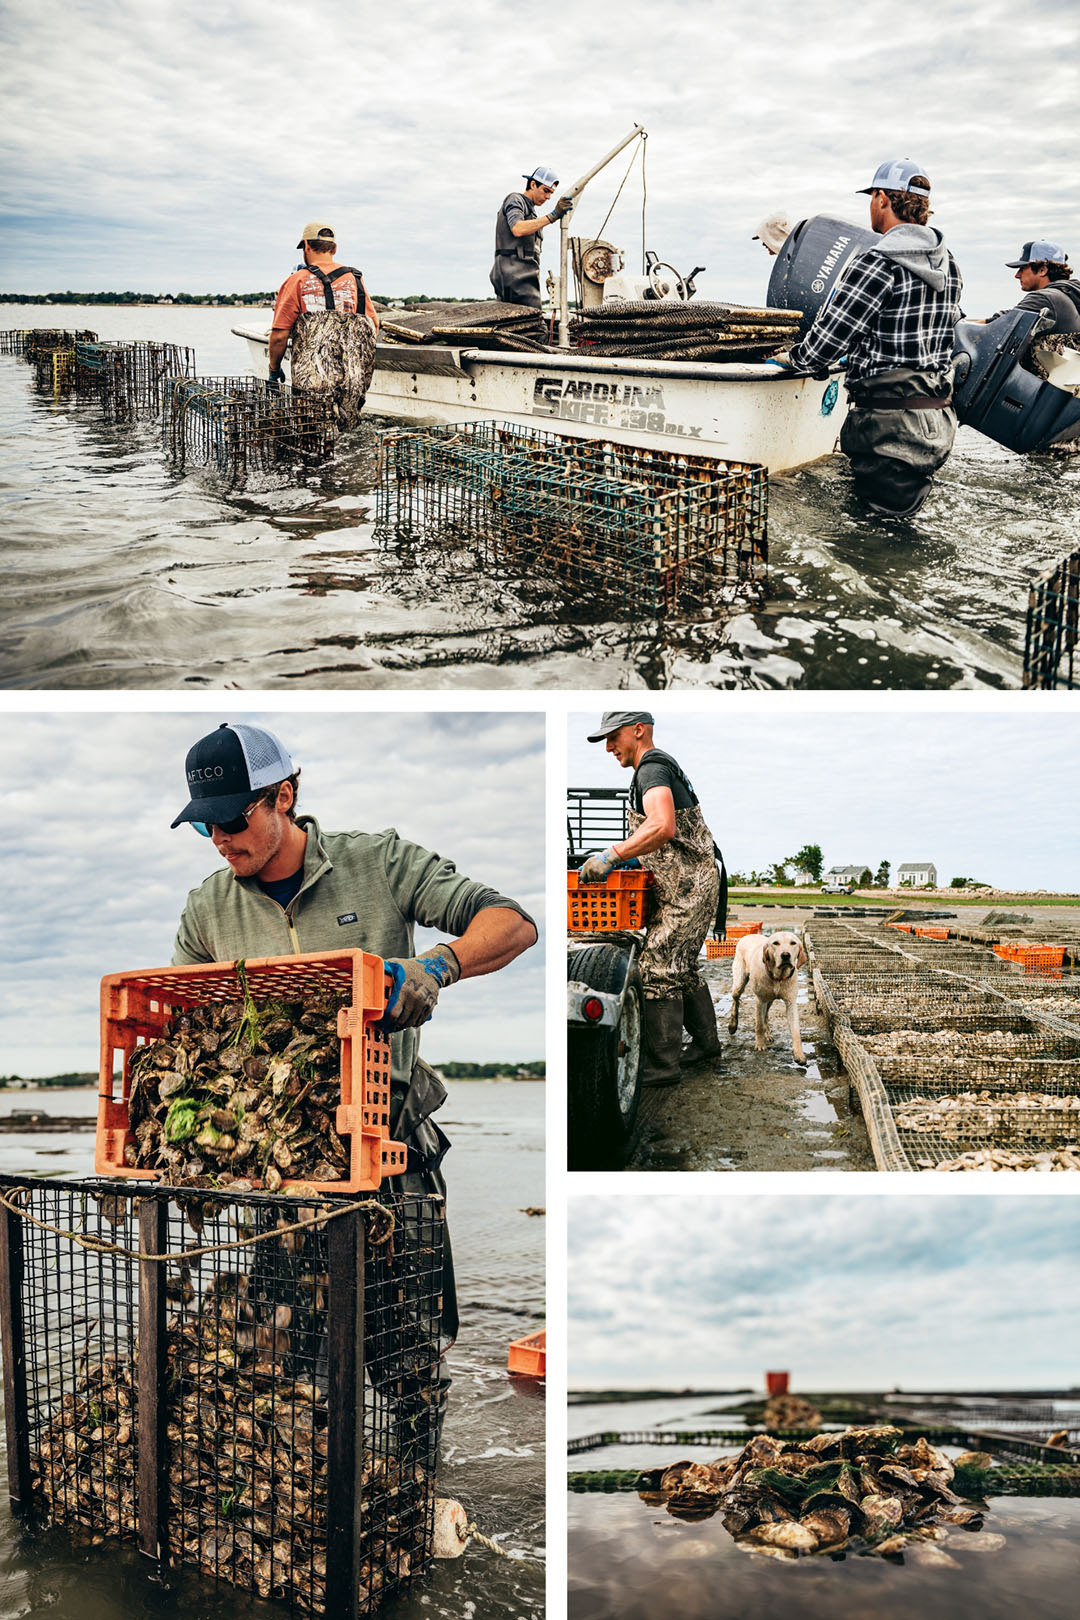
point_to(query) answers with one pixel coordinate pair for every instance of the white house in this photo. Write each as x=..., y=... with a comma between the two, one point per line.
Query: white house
x=917, y=873
x=846, y=874
x=801, y=878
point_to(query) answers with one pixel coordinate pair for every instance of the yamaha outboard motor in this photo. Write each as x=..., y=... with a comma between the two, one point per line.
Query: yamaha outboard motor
x=810, y=263
x=996, y=396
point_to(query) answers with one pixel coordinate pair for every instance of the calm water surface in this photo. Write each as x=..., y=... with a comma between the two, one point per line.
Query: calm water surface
x=630, y=1561
x=492, y=1452
x=120, y=573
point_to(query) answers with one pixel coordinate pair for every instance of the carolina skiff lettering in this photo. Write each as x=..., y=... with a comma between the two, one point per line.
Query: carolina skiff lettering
x=608, y=404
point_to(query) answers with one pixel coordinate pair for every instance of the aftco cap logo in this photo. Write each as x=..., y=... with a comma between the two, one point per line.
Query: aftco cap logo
x=209, y=774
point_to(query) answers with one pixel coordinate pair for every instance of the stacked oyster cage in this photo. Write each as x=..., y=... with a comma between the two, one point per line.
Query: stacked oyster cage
x=1053, y=627
x=957, y=1062
x=648, y=529
x=262, y=1402
x=263, y=1414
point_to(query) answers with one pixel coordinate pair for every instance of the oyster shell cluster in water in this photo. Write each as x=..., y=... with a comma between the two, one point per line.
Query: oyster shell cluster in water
x=235, y=1092
x=865, y=1490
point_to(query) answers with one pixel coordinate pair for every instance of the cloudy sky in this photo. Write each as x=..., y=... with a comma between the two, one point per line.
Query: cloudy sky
x=856, y=1293
x=94, y=880
x=991, y=797
x=181, y=146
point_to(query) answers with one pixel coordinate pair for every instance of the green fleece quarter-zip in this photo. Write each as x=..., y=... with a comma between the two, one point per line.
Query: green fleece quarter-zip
x=360, y=891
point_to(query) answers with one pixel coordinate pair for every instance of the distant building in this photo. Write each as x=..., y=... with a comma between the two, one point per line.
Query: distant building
x=846, y=874
x=801, y=878
x=917, y=874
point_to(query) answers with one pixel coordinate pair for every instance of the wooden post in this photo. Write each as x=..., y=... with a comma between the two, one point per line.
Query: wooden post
x=345, y=1450
x=153, y=1485
x=13, y=1343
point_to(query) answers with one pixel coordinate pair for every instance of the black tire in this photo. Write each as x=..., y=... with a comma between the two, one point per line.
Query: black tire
x=604, y=1065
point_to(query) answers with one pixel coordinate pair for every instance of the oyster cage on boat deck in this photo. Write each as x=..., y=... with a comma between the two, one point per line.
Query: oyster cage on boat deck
x=1053, y=627
x=646, y=527
x=266, y=1414
x=240, y=425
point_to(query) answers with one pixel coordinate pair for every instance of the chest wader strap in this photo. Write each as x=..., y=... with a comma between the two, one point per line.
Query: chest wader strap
x=637, y=801
x=328, y=287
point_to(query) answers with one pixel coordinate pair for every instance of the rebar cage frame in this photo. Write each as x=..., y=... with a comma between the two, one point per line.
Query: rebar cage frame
x=646, y=529
x=267, y=1414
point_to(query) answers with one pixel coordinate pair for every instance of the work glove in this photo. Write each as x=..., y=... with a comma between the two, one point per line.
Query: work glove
x=277, y=376
x=563, y=206
x=597, y=867
x=422, y=977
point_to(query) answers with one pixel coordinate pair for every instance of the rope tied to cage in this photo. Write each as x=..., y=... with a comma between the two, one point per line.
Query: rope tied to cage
x=471, y=1532
x=102, y=1246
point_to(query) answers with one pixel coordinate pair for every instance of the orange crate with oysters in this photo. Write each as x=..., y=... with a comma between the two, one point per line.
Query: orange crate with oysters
x=598, y=908
x=195, y=1029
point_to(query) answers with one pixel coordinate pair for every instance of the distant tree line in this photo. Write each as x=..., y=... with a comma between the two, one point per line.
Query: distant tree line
x=203, y=298
x=49, y=1080
x=489, y=1071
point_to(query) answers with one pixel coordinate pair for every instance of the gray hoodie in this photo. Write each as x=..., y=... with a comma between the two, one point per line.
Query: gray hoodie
x=920, y=249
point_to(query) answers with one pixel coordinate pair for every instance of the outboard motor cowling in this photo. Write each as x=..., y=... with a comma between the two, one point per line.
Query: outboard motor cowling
x=810, y=263
x=996, y=396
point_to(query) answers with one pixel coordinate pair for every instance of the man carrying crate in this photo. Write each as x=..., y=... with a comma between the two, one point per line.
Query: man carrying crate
x=669, y=837
x=291, y=888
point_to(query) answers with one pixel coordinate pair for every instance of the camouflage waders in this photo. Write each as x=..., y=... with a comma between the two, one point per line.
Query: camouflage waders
x=686, y=888
x=334, y=352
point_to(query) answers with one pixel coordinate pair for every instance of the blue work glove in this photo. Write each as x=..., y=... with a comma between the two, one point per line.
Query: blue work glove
x=785, y=365
x=277, y=376
x=597, y=867
x=422, y=977
x=563, y=206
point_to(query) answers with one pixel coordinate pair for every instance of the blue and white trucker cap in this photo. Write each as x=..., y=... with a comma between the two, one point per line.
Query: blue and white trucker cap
x=230, y=768
x=1038, y=253
x=543, y=177
x=896, y=174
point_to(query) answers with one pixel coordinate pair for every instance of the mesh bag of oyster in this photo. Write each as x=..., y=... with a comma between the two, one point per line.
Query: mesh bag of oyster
x=244, y=1383
x=272, y=1072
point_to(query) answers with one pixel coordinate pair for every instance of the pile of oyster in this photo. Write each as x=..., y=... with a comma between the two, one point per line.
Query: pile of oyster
x=790, y=1412
x=246, y=1451
x=975, y=1110
x=232, y=1092
x=865, y=1490
x=1036, y=1160
x=946, y=1042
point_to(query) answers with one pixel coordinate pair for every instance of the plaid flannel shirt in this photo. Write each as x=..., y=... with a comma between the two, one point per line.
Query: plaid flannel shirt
x=881, y=317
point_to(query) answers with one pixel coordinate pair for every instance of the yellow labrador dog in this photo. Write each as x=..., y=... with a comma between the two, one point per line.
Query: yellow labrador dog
x=770, y=966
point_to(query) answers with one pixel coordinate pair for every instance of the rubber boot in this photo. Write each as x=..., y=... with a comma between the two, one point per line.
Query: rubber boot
x=699, y=1016
x=663, y=1042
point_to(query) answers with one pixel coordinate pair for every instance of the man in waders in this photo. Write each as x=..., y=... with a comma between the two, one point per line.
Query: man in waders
x=1045, y=278
x=324, y=307
x=290, y=887
x=669, y=837
x=515, y=275
x=893, y=317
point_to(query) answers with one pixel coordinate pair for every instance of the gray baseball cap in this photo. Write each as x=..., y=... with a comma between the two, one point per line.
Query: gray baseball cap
x=1038, y=253
x=612, y=722
x=896, y=174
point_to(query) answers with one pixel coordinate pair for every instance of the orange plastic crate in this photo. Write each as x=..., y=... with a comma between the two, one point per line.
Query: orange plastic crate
x=135, y=1008
x=905, y=928
x=719, y=947
x=528, y=1356
x=931, y=933
x=618, y=902
x=1033, y=957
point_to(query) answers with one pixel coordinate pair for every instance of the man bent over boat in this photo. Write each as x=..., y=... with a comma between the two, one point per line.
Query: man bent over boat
x=893, y=317
x=324, y=307
x=669, y=837
x=515, y=275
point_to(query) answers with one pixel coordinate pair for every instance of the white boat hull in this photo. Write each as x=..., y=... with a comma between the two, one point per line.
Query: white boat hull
x=750, y=413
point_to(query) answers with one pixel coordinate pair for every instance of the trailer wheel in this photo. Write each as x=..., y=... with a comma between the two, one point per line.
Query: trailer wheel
x=604, y=1065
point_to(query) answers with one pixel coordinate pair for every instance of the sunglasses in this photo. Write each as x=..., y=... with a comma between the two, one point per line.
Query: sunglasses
x=238, y=824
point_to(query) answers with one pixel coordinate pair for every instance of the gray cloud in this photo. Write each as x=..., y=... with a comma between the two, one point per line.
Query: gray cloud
x=180, y=148
x=94, y=880
x=986, y=796
x=847, y=1292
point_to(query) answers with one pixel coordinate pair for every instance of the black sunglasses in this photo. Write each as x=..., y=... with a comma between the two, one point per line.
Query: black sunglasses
x=238, y=824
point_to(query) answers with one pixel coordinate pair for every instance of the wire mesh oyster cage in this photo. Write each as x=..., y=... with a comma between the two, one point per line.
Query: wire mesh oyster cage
x=647, y=529
x=261, y=1404
x=30, y=342
x=241, y=426
x=1053, y=625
